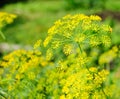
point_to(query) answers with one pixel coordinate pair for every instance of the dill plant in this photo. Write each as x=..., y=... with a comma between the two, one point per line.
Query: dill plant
x=61, y=67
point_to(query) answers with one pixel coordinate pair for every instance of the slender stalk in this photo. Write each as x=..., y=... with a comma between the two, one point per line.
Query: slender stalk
x=2, y=35
x=108, y=67
x=80, y=47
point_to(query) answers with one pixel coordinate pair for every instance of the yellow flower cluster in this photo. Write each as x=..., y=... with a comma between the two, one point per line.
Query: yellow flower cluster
x=21, y=65
x=67, y=49
x=61, y=67
x=109, y=56
x=80, y=82
x=78, y=30
x=37, y=44
x=6, y=18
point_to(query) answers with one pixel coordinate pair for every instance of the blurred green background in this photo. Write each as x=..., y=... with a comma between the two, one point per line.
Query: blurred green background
x=36, y=16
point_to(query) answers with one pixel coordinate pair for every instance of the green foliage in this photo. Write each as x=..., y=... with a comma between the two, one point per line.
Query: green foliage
x=86, y=3
x=113, y=5
x=60, y=67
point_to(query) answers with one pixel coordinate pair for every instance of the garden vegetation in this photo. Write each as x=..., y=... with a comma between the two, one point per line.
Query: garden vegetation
x=68, y=64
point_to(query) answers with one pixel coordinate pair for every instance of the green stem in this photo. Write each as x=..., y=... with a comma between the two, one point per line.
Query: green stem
x=108, y=67
x=104, y=92
x=2, y=35
x=80, y=48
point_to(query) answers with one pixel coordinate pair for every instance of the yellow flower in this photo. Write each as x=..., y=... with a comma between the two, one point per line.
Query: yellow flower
x=37, y=44
x=55, y=44
x=10, y=87
x=107, y=28
x=62, y=97
x=47, y=40
x=68, y=49
x=49, y=54
x=94, y=41
x=80, y=37
x=31, y=75
x=67, y=16
x=108, y=56
x=65, y=90
x=95, y=17
x=6, y=18
x=106, y=40
x=93, y=69
x=18, y=76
